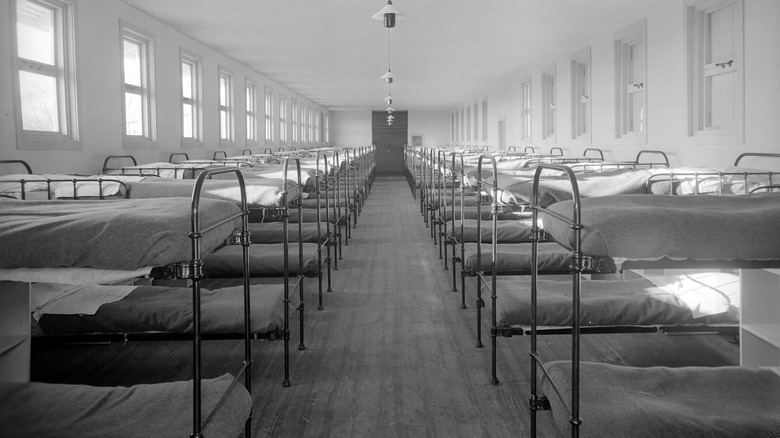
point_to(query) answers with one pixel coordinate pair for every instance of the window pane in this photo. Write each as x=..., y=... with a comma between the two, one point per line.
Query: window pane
x=223, y=90
x=39, y=102
x=636, y=109
x=721, y=35
x=35, y=28
x=187, y=121
x=223, y=124
x=636, y=66
x=186, y=80
x=134, y=114
x=132, y=63
x=720, y=101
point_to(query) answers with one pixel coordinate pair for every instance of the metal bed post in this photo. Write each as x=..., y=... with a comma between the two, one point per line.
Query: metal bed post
x=194, y=272
x=577, y=266
x=480, y=303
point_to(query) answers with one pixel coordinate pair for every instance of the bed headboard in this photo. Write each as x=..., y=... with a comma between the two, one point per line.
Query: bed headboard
x=9, y=164
x=111, y=158
x=177, y=156
x=750, y=159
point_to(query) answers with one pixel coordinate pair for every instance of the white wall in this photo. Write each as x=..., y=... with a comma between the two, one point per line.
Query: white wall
x=666, y=89
x=98, y=66
x=353, y=128
x=350, y=128
x=432, y=125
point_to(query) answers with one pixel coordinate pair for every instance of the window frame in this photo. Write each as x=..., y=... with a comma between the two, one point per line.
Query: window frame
x=549, y=105
x=581, y=109
x=226, y=108
x=196, y=101
x=294, y=120
x=485, y=120
x=302, y=122
x=268, y=114
x=145, y=41
x=250, y=110
x=700, y=70
x=627, y=87
x=525, y=110
x=282, y=118
x=67, y=136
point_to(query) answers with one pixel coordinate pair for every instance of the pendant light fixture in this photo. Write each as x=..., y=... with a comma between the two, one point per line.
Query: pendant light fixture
x=388, y=15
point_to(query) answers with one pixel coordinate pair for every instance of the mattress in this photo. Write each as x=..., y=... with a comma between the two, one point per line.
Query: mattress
x=126, y=234
x=264, y=260
x=674, y=402
x=259, y=192
x=159, y=410
x=516, y=258
x=168, y=310
x=711, y=227
x=603, y=303
x=273, y=232
x=555, y=188
x=506, y=231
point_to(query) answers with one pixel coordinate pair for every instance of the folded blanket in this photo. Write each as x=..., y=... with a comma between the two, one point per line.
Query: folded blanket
x=618, y=401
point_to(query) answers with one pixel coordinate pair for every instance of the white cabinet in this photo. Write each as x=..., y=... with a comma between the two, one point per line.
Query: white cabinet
x=760, y=318
x=14, y=332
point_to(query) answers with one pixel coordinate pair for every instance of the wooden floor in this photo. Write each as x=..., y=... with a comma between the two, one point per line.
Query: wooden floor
x=392, y=353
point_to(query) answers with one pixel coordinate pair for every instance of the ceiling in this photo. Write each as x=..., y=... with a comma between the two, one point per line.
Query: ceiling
x=442, y=54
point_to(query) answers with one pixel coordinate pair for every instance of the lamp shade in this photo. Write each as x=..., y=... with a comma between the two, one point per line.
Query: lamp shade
x=388, y=76
x=388, y=14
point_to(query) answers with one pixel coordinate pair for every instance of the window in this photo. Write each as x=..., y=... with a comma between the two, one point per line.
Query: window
x=326, y=125
x=310, y=126
x=548, y=103
x=251, y=112
x=302, y=123
x=715, y=33
x=137, y=74
x=191, y=132
x=476, y=122
x=462, y=122
x=525, y=120
x=317, y=126
x=452, y=128
x=282, y=118
x=631, y=88
x=269, y=115
x=468, y=122
x=225, y=106
x=484, y=121
x=580, y=95
x=294, y=114
x=44, y=75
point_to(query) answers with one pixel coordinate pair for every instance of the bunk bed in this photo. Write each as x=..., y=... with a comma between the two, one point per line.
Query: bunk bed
x=185, y=169
x=658, y=232
x=174, y=234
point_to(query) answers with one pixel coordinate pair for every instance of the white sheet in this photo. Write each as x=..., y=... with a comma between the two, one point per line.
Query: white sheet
x=72, y=275
x=707, y=293
x=75, y=299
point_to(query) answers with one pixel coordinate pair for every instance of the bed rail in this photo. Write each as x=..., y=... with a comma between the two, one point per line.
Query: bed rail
x=110, y=158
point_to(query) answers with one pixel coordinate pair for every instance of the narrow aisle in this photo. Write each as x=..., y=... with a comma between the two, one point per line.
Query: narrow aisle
x=392, y=354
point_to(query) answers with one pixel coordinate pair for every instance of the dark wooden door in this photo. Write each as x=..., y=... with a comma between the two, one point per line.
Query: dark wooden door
x=389, y=141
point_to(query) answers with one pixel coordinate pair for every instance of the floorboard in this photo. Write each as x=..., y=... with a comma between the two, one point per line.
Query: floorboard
x=392, y=353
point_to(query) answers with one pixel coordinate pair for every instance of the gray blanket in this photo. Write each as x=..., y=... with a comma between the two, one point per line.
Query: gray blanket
x=706, y=227
x=169, y=310
x=619, y=401
x=125, y=234
x=159, y=410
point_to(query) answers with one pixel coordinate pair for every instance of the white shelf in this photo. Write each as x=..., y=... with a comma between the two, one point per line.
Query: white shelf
x=760, y=318
x=9, y=342
x=769, y=333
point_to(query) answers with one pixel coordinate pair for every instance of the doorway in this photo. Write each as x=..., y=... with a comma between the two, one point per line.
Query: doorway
x=389, y=141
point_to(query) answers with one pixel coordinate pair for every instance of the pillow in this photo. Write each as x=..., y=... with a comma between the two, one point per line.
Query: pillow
x=706, y=293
